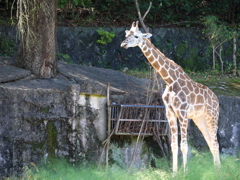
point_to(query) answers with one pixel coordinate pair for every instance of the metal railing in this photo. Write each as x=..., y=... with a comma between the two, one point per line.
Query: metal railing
x=128, y=119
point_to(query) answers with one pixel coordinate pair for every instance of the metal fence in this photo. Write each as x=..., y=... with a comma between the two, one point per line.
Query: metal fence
x=130, y=119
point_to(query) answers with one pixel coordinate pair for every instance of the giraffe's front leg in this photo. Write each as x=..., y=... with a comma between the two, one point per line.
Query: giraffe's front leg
x=182, y=117
x=172, y=120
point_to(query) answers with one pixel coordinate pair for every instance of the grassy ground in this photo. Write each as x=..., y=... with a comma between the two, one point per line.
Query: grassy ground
x=221, y=84
x=200, y=167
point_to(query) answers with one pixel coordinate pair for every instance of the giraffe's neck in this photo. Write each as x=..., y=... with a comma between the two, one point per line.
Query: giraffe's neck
x=165, y=67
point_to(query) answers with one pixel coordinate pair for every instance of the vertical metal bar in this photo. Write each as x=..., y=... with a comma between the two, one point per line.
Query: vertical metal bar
x=118, y=120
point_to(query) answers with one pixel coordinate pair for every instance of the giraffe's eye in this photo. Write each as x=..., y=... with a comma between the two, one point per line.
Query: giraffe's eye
x=136, y=36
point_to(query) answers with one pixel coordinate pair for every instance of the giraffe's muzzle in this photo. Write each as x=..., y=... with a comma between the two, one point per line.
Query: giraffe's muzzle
x=124, y=45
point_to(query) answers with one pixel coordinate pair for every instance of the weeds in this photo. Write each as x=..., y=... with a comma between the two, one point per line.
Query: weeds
x=106, y=37
x=200, y=167
x=65, y=57
x=7, y=47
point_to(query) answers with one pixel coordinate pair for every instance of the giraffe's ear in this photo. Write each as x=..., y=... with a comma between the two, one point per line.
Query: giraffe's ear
x=127, y=32
x=147, y=35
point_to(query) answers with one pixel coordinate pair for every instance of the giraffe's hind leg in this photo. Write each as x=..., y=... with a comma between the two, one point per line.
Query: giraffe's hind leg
x=208, y=127
x=213, y=127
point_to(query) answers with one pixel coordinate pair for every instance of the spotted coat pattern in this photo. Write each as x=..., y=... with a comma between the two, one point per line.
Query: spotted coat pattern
x=184, y=98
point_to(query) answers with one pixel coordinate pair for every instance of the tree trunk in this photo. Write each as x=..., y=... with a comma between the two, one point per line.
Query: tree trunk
x=37, y=51
x=220, y=58
x=234, y=54
x=213, y=57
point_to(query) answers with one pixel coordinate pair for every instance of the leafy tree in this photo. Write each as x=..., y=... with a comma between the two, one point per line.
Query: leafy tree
x=64, y=3
x=106, y=37
x=236, y=34
x=217, y=33
x=226, y=10
x=163, y=12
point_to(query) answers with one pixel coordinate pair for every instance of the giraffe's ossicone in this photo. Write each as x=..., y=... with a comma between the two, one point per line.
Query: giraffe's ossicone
x=184, y=98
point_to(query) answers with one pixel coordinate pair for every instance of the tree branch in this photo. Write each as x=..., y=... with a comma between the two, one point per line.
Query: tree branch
x=140, y=16
x=150, y=5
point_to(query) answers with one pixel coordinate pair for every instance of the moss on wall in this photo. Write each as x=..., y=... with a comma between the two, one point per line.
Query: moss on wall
x=39, y=146
x=188, y=58
x=52, y=142
x=44, y=110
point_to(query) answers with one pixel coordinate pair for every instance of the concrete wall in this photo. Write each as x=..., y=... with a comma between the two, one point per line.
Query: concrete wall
x=48, y=118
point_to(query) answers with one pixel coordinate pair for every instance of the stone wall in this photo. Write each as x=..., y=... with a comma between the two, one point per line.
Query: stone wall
x=48, y=118
x=81, y=45
x=186, y=46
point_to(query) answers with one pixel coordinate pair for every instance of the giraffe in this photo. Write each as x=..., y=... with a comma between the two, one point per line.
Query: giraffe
x=183, y=98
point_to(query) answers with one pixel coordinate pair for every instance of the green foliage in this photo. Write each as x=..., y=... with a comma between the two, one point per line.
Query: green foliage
x=182, y=12
x=6, y=46
x=116, y=155
x=229, y=67
x=63, y=3
x=106, y=37
x=64, y=57
x=218, y=33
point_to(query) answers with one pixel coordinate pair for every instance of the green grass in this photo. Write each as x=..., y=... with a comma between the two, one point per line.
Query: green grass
x=221, y=84
x=138, y=73
x=200, y=167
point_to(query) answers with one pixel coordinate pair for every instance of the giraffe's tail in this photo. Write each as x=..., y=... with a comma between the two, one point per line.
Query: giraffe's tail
x=219, y=142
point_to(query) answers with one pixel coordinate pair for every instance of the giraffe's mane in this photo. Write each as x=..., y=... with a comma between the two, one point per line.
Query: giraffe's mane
x=163, y=55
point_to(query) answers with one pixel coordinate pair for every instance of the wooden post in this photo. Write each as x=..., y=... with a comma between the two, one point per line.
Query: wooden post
x=109, y=123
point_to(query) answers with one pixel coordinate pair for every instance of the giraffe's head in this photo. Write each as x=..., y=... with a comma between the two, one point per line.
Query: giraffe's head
x=134, y=37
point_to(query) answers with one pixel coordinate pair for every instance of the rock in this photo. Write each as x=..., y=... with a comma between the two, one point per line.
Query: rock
x=94, y=80
x=10, y=73
x=5, y=60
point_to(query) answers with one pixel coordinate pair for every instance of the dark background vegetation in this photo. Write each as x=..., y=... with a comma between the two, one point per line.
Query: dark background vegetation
x=122, y=12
